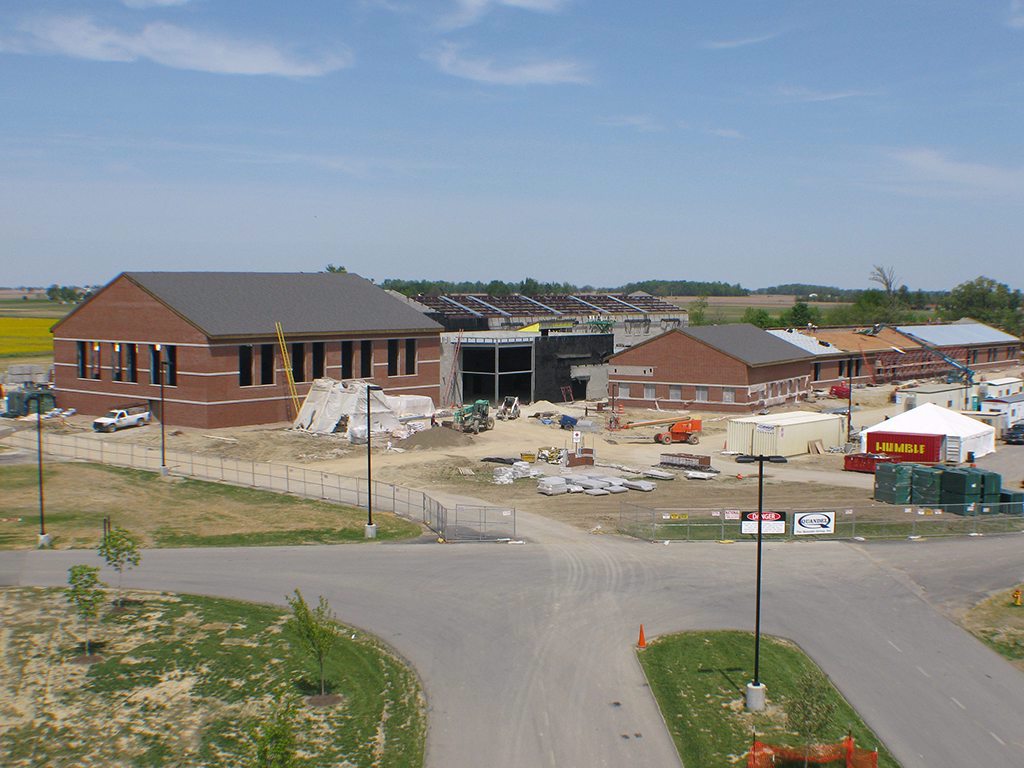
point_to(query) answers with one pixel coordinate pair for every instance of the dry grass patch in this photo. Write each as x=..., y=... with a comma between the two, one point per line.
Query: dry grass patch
x=183, y=681
x=168, y=513
x=1000, y=624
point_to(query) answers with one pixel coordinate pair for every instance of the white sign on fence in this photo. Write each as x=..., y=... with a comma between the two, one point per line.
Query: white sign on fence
x=732, y=514
x=771, y=522
x=814, y=522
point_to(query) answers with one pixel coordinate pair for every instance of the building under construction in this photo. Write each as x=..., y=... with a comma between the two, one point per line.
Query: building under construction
x=631, y=318
x=205, y=344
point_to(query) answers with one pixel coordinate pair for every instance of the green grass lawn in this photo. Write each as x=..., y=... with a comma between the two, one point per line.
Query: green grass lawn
x=176, y=513
x=700, y=678
x=182, y=681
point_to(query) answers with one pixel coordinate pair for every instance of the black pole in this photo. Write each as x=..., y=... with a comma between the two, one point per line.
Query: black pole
x=757, y=618
x=163, y=410
x=369, y=471
x=39, y=451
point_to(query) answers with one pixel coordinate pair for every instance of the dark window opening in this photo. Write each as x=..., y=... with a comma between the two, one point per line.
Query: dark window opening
x=366, y=359
x=346, y=359
x=817, y=371
x=318, y=359
x=132, y=363
x=154, y=364
x=82, y=364
x=410, y=357
x=171, y=365
x=856, y=367
x=478, y=359
x=266, y=363
x=299, y=361
x=515, y=359
x=94, y=361
x=392, y=357
x=116, y=362
x=245, y=365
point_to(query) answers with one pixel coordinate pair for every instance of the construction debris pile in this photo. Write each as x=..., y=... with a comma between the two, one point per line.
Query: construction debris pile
x=351, y=407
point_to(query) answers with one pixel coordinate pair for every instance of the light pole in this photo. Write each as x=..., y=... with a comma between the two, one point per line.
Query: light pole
x=755, y=690
x=163, y=444
x=371, y=529
x=44, y=539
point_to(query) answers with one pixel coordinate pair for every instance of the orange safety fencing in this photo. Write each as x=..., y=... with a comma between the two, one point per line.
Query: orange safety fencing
x=844, y=754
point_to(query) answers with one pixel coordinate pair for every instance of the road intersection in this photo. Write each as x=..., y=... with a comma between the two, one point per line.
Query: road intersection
x=526, y=652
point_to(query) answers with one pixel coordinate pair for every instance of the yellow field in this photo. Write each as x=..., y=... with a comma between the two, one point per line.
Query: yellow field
x=25, y=336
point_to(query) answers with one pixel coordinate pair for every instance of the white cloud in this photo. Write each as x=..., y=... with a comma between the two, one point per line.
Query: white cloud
x=642, y=123
x=469, y=12
x=799, y=93
x=721, y=45
x=1016, y=17
x=170, y=45
x=482, y=70
x=153, y=3
x=726, y=133
x=940, y=173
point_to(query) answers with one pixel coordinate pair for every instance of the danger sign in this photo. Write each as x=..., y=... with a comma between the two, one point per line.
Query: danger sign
x=771, y=522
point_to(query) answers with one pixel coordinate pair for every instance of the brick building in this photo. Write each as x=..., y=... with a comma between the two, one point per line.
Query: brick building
x=718, y=367
x=212, y=335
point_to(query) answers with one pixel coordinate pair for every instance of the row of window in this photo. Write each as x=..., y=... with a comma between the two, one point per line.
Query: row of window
x=123, y=361
x=675, y=392
x=256, y=363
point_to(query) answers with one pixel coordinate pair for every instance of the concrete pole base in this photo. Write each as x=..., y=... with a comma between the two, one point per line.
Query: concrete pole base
x=370, y=531
x=756, y=697
x=164, y=471
x=44, y=541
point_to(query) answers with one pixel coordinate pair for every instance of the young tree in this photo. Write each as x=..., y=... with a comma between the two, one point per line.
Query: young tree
x=274, y=739
x=698, y=311
x=85, y=593
x=811, y=710
x=885, y=277
x=315, y=630
x=120, y=549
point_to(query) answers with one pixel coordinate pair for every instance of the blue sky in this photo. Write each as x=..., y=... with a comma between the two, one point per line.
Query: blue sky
x=589, y=141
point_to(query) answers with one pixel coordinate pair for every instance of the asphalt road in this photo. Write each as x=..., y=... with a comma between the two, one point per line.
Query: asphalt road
x=524, y=650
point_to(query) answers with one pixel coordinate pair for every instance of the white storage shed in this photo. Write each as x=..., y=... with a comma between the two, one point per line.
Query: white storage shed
x=785, y=434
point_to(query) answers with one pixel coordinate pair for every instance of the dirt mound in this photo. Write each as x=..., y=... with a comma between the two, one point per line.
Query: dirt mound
x=437, y=437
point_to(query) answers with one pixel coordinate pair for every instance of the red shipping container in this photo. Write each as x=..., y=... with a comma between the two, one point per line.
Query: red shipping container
x=866, y=462
x=927, y=448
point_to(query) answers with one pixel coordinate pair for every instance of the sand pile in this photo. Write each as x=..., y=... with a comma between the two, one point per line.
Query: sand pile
x=436, y=437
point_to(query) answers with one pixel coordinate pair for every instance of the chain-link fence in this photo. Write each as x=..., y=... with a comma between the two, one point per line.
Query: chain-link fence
x=464, y=523
x=881, y=521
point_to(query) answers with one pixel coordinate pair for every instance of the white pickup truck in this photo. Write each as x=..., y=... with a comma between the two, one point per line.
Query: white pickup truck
x=119, y=418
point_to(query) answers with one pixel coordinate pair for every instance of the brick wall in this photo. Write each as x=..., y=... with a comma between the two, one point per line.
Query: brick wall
x=207, y=392
x=678, y=369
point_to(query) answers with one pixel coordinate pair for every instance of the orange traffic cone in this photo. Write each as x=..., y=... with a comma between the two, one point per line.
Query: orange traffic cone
x=642, y=641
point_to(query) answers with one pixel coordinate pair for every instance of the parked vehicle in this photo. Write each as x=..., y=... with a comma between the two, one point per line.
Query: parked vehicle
x=1014, y=436
x=684, y=431
x=473, y=418
x=119, y=418
x=509, y=409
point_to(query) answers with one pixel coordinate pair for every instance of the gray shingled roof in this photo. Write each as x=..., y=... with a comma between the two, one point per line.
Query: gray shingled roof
x=249, y=303
x=747, y=343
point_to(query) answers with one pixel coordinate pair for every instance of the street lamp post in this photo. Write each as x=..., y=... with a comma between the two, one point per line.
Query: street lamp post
x=162, y=374
x=756, y=690
x=371, y=529
x=44, y=538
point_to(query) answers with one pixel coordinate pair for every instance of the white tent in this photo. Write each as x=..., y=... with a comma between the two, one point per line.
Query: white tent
x=329, y=402
x=963, y=434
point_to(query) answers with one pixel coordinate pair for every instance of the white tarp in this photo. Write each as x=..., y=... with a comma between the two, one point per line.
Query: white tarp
x=329, y=401
x=964, y=434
